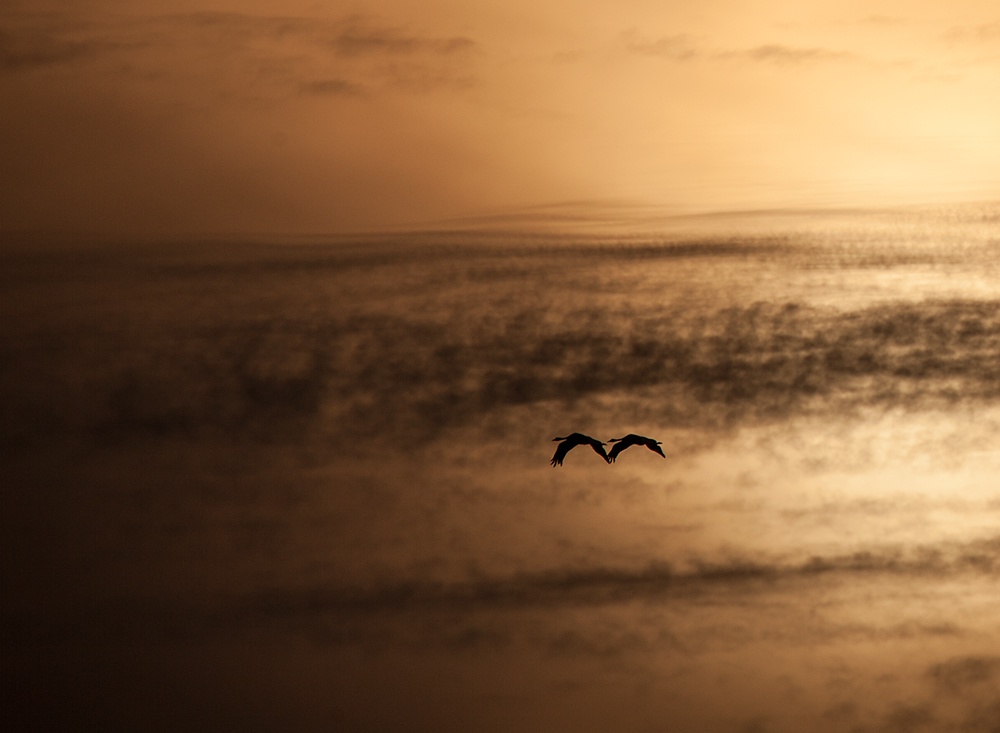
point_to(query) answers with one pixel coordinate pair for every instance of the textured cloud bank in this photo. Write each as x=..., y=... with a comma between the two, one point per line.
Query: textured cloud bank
x=413, y=372
x=336, y=455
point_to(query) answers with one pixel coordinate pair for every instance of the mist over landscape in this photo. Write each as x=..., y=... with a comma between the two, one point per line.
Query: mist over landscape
x=280, y=484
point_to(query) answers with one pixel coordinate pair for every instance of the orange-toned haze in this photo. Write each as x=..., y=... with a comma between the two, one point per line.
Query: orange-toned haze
x=279, y=483
x=183, y=117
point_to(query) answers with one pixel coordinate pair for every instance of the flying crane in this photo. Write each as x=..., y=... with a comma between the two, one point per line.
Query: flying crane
x=630, y=440
x=574, y=439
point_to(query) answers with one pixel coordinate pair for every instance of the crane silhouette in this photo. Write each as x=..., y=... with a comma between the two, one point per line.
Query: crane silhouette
x=574, y=439
x=630, y=440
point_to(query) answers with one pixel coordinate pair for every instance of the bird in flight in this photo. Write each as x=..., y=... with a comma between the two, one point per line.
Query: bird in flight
x=630, y=440
x=574, y=439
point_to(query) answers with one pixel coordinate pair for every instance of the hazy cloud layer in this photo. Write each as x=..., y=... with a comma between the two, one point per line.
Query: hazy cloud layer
x=24, y=50
x=604, y=585
x=741, y=580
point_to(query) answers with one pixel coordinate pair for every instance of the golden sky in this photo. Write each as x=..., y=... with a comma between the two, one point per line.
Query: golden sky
x=183, y=116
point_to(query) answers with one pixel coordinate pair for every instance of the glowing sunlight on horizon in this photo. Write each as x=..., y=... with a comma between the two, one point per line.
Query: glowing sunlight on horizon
x=324, y=117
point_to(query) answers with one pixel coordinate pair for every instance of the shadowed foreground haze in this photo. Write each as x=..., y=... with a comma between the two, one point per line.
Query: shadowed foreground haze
x=306, y=486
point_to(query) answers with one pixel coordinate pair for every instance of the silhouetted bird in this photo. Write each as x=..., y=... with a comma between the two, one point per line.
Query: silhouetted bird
x=572, y=441
x=630, y=440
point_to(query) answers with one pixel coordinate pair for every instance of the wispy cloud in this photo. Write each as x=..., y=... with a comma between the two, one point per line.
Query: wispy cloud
x=346, y=56
x=22, y=50
x=983, y=33
x=358, y=36
x=783, y=55
x=906, y=718
x=963, y=674
x=355, y=35
x=679, y=47
x=310, y=55
x=333, y=87
x=882, y=20
x=682, y=47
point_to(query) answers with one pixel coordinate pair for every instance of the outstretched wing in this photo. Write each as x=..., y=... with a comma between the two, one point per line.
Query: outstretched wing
x=655, y=448
x=599, y=449
x=561, y=450
x=616, y=449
